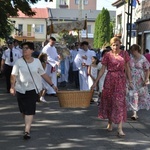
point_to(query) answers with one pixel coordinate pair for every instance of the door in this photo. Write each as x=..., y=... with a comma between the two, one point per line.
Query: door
x=29, y=30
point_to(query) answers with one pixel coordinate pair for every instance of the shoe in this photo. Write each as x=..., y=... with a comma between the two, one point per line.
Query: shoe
x=26, y=136
x=109, y=127
x=43, y=100
x=54, y=95
x=92, y=101
x=134, y=117
x=120, y=133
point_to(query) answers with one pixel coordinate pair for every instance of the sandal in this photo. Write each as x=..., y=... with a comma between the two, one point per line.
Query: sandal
x=26, y=136
x=109, y=127
x=134, y=117
x=120, y=133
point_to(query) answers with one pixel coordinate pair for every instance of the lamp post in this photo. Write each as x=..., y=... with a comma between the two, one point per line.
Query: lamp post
x=33, y=27
x=80, y=7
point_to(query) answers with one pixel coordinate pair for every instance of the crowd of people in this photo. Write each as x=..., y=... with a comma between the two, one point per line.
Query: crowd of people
x=121, y=77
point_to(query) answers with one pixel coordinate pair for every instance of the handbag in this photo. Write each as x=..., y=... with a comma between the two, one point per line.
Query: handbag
x=39, y=92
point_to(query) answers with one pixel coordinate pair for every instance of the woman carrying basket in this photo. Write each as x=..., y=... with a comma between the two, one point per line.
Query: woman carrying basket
x=26, y=84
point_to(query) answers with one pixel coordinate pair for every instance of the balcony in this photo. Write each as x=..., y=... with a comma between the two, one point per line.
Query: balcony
x=24, y=36
x=63, y=6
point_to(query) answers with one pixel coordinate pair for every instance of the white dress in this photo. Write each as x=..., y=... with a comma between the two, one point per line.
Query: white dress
x=102, y=79
x=94, y=73
x=83, y=70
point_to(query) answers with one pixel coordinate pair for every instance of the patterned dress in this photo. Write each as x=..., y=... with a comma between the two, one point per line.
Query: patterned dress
x=138, y=69
x=113, y=102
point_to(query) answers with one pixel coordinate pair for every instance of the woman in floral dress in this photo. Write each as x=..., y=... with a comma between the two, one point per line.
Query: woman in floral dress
x=138, y=98
x=113, y=102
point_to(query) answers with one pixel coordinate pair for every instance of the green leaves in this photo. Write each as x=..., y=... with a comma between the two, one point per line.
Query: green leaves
x=10, y=8
x=102, y=29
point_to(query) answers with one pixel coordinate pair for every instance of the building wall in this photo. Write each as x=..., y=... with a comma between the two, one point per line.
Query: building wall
x=33, y=22
x=121, y=11
x=90, y=6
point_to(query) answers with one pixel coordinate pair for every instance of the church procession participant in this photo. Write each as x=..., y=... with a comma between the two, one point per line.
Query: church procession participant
x=64, y=54
x=9, y=57
x=74, y=66
x=82, y=61
x=53, y=63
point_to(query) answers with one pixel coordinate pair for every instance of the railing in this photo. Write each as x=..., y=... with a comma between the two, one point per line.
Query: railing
x=63, y=6
x=20, y=33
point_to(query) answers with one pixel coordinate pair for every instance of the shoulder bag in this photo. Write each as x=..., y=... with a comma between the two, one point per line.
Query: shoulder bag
x=39, y=92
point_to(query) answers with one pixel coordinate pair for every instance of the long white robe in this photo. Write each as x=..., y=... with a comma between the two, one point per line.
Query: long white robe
x=83, y=70
x=52, y=58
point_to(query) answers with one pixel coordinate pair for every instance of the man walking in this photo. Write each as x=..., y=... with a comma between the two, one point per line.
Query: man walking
x=52, y=63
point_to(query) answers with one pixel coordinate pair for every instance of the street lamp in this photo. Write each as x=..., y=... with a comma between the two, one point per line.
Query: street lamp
x=33, y=27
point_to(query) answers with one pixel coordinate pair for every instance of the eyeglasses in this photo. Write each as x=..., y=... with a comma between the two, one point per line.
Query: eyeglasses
x=25, y=48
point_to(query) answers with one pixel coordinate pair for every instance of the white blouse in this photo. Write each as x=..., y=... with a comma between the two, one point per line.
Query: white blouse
x=24, y=81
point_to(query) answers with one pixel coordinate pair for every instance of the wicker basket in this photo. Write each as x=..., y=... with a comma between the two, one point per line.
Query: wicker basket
x=74, y=99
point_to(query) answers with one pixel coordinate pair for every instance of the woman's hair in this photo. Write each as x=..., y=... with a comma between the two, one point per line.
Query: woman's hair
x=42, y=56
x=115, y=39
x=29, y=44
x=135, y=47
x=97, y=61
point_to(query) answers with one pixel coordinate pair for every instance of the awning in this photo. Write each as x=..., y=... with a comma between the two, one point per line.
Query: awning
x=67, y=26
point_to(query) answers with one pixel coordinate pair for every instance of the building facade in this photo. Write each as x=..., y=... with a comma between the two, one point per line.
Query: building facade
x=70, y=15
x=74, y=4
x=27, y=28
x=140, y=32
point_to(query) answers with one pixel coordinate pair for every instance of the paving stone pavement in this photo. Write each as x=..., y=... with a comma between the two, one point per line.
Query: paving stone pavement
x=56, y=128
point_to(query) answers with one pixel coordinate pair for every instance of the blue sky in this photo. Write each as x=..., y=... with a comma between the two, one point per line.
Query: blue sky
x=100, y=4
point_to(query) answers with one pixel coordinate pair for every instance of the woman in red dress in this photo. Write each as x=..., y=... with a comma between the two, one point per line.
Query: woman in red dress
x=113, y=102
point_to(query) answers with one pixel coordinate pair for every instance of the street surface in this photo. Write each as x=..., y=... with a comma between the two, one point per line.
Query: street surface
x=56, y=128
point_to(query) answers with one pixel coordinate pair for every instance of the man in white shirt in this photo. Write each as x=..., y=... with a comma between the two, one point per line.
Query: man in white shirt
x=52, y=63
x=83, y=60
x=74, y=65
x=16, y=45
x=9, y=57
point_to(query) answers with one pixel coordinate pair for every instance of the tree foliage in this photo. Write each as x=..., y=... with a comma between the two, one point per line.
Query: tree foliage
x=66, y=38
x=10, y=8
x=102, y=29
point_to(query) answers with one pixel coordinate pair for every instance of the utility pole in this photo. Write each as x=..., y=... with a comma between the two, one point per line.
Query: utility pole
x=129, y=24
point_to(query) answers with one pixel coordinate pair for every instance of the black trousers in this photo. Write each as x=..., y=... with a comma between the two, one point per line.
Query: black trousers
x=70, y=77
x=7, y=73
x=76, y=78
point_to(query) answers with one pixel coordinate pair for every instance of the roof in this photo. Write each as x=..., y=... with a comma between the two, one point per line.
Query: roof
x=41, y=13
x=119, y=3
x=73, y=14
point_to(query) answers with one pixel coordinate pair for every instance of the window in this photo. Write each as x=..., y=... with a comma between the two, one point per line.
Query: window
x=39, y=28
x=62, y=2
x=20, y=27
x=29, y=30
x=89, y=28
x=85, y=2
x=77, y=2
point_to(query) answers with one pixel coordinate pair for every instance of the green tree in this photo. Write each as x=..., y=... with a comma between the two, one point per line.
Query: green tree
x=102, y=29
x=111, y=29
x=10, y=8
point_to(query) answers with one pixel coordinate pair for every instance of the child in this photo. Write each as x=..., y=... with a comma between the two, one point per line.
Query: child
x=43, y=58
x=93, y=72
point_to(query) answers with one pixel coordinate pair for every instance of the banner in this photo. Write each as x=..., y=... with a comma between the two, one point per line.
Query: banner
x=67, y=26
